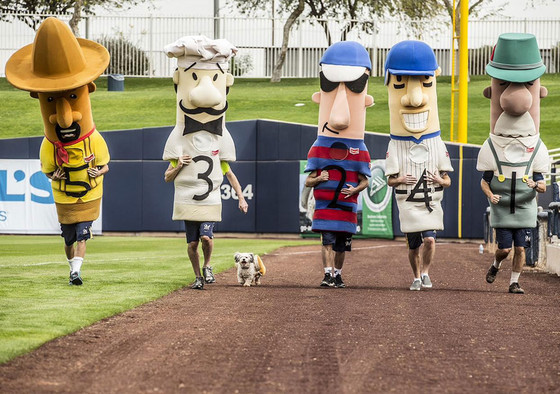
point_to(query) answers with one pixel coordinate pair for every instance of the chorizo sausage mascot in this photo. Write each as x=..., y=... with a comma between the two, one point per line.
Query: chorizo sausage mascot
x=417, y=160
x=338, y=162
x=514, y=158
x=59, y=70
x=199, y=146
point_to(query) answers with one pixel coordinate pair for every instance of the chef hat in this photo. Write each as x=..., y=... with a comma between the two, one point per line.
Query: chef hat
x=201, y=52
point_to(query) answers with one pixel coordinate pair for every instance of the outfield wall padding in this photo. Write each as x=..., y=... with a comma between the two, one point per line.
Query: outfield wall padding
x=136, y=197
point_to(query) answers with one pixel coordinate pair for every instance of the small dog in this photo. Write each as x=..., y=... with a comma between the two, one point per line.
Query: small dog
x=250, y=268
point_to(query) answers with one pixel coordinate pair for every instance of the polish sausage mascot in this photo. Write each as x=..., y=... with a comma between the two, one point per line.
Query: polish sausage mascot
x=338, y=162
x=59, y=70
x=513, y=159
x=417, y=163
x=199, y=146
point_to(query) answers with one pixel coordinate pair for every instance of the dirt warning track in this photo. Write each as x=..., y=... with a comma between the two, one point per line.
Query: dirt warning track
x=463, y=335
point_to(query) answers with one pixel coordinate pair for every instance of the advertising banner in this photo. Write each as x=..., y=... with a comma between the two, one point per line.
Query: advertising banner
x=377, y=204
x=26, y=200
x=374, y=204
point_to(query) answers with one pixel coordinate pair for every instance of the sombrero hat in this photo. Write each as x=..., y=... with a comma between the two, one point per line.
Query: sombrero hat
x=56, y=61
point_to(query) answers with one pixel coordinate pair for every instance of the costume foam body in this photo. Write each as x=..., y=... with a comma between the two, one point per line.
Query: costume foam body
x=416, y=147
x=58, y=69
x=340, y=147
x=202, y=82
x=514, y=150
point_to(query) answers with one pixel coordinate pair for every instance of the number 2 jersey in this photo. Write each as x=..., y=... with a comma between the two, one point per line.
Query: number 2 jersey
x=344, y=159
x=419, y=204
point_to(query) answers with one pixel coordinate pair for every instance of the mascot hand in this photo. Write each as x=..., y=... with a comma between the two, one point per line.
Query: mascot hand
x=58, y=175
x=324, y=176
x=184, y=160
x=348, y=191
x=495, y=198
x=407, y=179
x=93, y=172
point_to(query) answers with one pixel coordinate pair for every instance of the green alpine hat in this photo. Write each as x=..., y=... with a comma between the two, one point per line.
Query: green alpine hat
x=516, y=58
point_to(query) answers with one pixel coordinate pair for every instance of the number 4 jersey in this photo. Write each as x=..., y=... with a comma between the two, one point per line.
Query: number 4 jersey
x=197, y=185
x=419, y=204
x=344, y=159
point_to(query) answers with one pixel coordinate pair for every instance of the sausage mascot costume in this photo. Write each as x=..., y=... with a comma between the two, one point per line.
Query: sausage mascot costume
x=338, y=161
x=417, y=159
x=513, y=158
x=199, y=146
x=59, y=70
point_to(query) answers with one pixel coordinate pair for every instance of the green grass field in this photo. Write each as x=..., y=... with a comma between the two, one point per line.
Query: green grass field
x=151, y=102
x=120, y=273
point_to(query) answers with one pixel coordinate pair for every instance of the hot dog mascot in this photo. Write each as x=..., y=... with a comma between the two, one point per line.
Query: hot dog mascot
x=59, y=70
x=514, y=157
x=417, y=160
x=199, y=146
x=338, y=161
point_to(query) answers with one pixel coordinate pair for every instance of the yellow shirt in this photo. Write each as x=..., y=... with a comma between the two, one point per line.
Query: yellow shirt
x=89, y=153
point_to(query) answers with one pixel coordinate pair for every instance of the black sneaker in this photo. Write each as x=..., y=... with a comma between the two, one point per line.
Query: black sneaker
x=75, y=279
x=491, y=274
x=208, y=275
x=198, y=284
x=338, y=281
x=516, y=289
x=328, y=281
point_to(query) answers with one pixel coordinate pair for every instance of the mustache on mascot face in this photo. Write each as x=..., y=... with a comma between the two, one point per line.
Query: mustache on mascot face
x=68, y=134
x=200, y=110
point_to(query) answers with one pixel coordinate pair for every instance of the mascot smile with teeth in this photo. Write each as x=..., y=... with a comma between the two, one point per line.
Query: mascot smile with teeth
x=417, y=160
x=513, y=158
x=59, y=70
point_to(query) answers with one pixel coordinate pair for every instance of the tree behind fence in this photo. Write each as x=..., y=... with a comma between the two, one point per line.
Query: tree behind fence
x=136, y=42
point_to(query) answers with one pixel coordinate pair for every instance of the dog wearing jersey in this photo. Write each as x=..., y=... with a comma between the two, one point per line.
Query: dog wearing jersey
x=250, y=268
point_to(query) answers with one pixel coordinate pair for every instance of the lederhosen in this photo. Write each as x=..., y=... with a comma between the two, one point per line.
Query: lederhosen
x=517, y=207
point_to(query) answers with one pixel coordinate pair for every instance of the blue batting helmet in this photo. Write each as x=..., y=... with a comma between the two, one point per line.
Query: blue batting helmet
x=410, y=58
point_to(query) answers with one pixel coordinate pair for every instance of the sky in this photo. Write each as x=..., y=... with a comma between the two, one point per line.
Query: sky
x=512, y=8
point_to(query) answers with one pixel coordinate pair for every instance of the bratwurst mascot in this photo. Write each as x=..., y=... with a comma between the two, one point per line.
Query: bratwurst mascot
x=338, y=161
x=417, y=160
x=199, y=146
x=513, y=158
x=59, y=70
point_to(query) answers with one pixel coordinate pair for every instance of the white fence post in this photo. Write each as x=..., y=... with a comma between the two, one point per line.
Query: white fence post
x=300, y=45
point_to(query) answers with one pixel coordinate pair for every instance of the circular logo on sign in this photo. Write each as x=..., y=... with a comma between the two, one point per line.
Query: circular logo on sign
x=378, y=193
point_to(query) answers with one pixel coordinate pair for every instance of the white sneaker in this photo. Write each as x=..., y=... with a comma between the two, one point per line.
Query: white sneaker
x=416, y=285
x=426, y=282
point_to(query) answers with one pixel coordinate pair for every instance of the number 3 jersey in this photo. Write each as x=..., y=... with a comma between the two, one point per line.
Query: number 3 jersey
x=344, y=159
x=197, y=185
x=419, y=204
